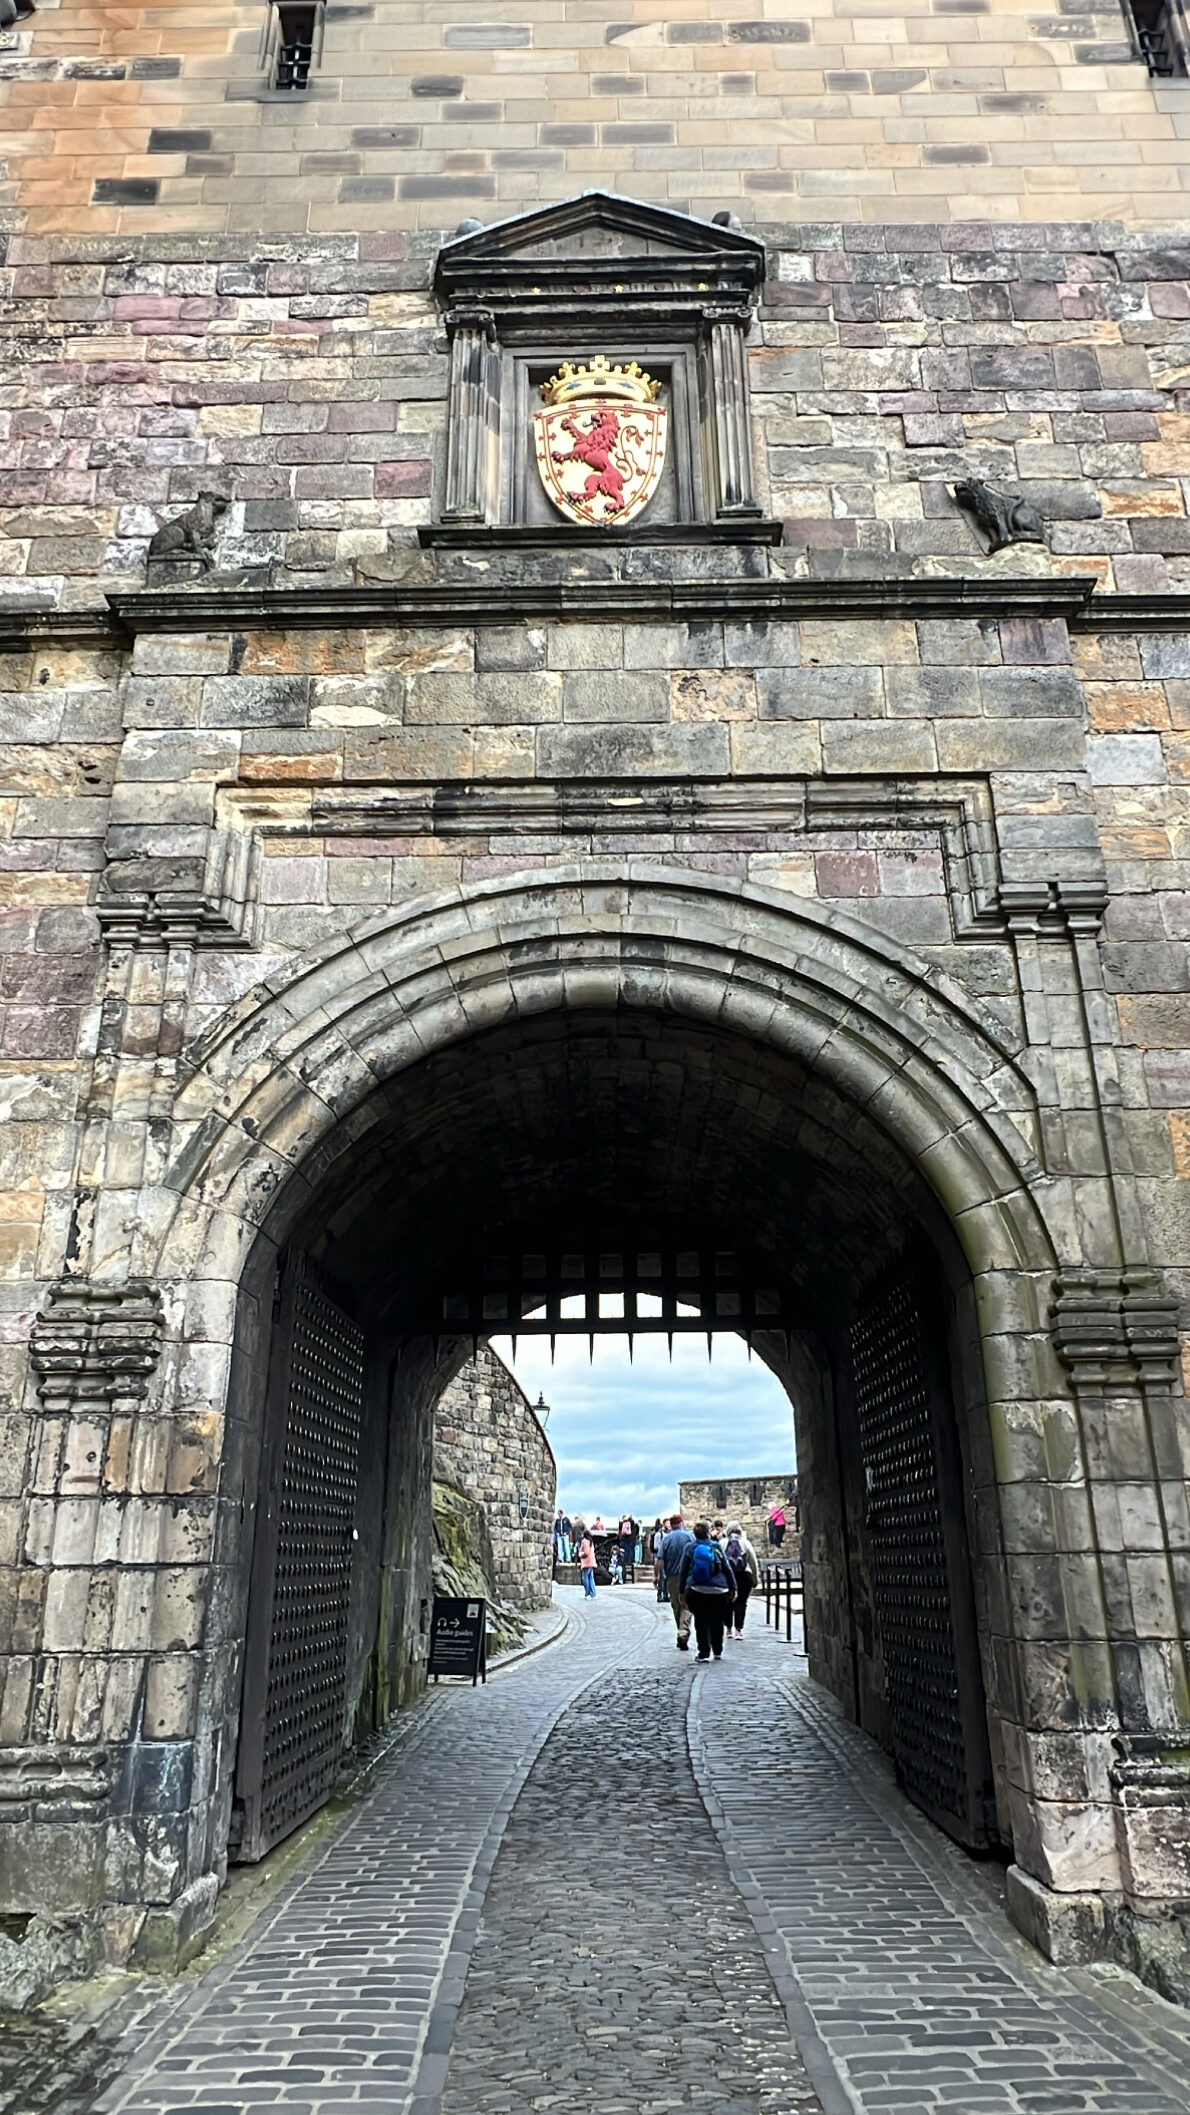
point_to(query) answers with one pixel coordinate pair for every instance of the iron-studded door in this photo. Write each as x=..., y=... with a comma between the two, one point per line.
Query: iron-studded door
x=921, y=1576
x=292, y=1720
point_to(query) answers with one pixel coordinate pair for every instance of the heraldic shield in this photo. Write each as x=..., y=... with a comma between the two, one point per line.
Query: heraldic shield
x=600, y=443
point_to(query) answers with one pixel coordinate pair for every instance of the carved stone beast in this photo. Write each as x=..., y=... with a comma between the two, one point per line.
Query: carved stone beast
x=191, y=534
x=1004, y=517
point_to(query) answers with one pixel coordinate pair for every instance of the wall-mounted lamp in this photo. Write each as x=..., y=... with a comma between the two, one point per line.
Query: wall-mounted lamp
x=522, y=1499
x=543, y=1411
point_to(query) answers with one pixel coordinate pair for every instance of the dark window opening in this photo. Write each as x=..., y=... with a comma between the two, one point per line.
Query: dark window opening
x=1159, y=37
x=293, y=44
x=755, y=1495
x=720, y=1494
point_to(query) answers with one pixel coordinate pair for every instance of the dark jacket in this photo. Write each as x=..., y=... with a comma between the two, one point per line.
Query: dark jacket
x=673, y=1548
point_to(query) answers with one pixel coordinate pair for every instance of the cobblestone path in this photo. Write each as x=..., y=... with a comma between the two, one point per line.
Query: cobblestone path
x=326, y=2005
x=614, y=1951
x=923, y=2002
x=504, y=1891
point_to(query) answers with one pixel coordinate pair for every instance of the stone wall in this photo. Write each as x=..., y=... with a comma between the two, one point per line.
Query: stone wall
x=152, y=119
x=834, y=884
x=308, y=387
x=490, y=1444
x=747, y=1499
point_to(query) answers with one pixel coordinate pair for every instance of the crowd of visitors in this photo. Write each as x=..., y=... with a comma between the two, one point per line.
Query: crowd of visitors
x=706, y=1574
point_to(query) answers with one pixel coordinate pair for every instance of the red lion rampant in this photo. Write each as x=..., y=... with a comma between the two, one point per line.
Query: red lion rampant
x=595, y=449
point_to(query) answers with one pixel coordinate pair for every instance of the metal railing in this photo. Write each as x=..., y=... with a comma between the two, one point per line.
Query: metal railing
x=782, y=1586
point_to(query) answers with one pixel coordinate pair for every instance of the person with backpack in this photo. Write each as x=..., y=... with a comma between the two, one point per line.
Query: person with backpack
x=744, y=1565
x=706, y=1584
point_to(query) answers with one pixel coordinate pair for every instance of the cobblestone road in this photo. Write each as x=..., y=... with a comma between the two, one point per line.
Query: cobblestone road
x=613, y=1945
x=478, y=1899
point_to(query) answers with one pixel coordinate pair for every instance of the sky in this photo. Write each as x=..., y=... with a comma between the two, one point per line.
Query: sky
x=627, y=1435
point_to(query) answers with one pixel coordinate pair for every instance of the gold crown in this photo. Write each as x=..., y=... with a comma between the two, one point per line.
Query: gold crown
x=630, y=383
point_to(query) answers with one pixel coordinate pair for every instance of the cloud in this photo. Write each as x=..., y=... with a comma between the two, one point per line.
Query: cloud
x=628, y=1434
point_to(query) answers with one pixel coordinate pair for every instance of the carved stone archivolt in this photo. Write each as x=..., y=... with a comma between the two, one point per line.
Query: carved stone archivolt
x=96, y=1344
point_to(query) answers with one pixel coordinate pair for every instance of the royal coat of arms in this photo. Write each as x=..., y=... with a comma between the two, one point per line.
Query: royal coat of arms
x=601, y=441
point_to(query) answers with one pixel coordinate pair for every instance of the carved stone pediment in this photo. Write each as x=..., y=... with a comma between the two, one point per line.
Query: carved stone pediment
x=629, y=255
x=599, y=278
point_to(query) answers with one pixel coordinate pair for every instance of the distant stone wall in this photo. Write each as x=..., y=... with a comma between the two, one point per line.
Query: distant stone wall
x=747, y=1499
x=489, y=1444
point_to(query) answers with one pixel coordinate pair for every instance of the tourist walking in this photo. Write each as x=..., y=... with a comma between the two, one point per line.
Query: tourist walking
x=673, y=1550
x=655, y=1541
x=705, y=1580
x=744, y=1565
x=586, y=1565
x=776, y=1525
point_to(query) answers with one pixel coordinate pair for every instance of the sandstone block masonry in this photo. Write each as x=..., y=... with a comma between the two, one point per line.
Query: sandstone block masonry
x=306, y=384
x=847, y=872
x=489, y=1442
x=151, y=120
x=748, y=1500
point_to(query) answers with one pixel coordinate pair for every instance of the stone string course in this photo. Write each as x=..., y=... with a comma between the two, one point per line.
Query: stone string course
x=490, y=1444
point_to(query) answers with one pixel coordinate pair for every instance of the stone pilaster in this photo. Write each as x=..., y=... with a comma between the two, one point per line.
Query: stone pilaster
x=728, y=393
x=472, y=434
x=1115, y=1332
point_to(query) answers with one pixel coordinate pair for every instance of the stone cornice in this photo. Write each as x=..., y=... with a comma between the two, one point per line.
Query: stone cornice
x=610, y=601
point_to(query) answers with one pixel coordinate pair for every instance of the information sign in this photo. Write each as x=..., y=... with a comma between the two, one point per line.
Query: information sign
x=459, y=1638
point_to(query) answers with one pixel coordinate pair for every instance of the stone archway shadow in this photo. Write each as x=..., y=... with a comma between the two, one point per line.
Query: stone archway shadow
x=291, y=1077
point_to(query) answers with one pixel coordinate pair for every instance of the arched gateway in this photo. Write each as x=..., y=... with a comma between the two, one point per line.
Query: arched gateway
x=562, y=909
x=593, y=1062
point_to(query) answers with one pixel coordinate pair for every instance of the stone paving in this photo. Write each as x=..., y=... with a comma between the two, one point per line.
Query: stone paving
x=491, y=1929
x=920, y=1999
x=613, y=1944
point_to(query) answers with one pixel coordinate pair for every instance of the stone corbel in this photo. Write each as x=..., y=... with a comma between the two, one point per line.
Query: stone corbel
x=183, y=900
x=727, y=392
x=1115, y=1327
x=473, y=434
x=1053, y=909
x=96, y=1344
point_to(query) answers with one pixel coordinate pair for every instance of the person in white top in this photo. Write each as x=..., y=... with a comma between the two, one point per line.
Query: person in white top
x=744, y=1566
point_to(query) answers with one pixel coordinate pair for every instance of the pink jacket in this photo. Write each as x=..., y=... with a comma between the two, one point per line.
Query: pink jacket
x=586, y=1554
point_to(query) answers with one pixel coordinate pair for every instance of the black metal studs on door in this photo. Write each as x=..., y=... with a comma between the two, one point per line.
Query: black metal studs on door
x=938, y=1731
x=295, y=1680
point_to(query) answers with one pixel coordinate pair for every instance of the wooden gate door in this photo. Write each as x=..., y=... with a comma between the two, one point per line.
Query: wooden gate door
x=295, y=1671
x=920, y=1563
